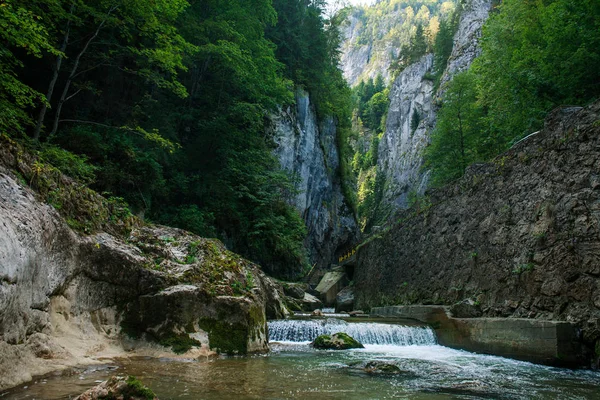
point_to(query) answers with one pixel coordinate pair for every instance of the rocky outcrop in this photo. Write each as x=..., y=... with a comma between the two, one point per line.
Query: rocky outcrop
x=466, y=40
x=519, y=236
x=412, y=112
x=401, y=147
x=64, y=296
x=307, y=149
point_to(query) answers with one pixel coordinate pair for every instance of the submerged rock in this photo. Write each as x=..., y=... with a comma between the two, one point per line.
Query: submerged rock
x=119, y=388
x=337, y=341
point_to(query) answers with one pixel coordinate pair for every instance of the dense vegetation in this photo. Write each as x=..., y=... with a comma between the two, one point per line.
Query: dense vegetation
x=536, y=55
x=164, y=103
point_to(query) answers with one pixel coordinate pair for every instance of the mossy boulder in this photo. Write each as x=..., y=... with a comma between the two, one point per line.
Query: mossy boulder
x=128, y=388
x=337, y=341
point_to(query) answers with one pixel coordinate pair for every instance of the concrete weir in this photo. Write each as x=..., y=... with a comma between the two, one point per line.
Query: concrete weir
x=543, y=342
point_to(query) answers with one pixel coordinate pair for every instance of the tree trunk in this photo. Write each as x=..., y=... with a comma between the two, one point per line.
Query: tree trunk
x=63, y=97
x=55, y=72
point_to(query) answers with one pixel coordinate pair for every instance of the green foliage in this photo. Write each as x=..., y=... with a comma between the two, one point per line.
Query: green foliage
x=137, y=389
x=455, y=140
x=179, y=343
x=163, y=104
x=69, y=163
x=20, y=31
x=535, y=56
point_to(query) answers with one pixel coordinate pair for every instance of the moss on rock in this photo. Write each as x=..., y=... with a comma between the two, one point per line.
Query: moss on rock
x=226, y=337
x=337, y=341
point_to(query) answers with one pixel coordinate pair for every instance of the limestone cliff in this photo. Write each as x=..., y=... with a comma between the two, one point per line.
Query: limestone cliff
x=519, y=237
x=374, y=36
x=307, y=148
x=402, y=145
x=65, y=296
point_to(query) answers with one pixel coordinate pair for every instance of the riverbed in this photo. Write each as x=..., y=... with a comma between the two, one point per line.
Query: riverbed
x=293, y=370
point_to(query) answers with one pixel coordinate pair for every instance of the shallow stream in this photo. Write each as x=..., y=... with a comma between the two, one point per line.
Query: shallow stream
x=294, y=370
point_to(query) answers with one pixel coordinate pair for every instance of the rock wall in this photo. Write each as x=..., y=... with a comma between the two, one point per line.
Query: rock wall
x=64, y=296
x=520, y=236
x=361, y=62
x=401, y=148
x=307, y=149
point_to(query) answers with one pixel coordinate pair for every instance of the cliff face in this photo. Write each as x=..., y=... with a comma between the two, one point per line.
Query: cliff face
x=308, y=150
x=519, y=236
x=401, y=148
x=367, y=60
x=65, y=296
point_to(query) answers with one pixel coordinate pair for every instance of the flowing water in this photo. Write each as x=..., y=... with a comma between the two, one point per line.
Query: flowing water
x=293, y=370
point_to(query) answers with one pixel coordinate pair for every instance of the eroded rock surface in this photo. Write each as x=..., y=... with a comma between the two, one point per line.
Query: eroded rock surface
x=65, y=296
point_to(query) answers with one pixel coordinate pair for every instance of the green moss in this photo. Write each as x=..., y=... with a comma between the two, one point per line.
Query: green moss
x=337, y=341
x=179, y=343
x=224, y=337
x=137, y=389
x=598, y=348
x=321, y=342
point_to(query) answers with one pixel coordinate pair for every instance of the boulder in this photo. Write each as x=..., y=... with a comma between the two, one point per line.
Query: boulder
x=311, y=303
x=317, y=313
x=330, y=285
x=345, y=300
x=119, y=388
x=337, y=341
x=294, y=290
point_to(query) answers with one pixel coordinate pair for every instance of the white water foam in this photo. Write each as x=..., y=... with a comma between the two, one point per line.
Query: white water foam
x=299, y=331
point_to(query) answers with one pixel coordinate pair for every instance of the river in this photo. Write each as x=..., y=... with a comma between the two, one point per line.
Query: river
x=293, y=370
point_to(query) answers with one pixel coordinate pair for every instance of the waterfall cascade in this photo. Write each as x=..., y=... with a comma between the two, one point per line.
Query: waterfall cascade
x=366, y=333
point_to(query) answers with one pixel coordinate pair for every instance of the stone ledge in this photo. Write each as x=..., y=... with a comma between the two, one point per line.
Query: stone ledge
x=554, y=343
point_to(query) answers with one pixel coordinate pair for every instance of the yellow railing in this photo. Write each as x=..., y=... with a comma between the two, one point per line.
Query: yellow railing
x=348, y=255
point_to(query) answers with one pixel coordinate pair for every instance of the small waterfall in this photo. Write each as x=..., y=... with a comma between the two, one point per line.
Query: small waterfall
x=366, y=333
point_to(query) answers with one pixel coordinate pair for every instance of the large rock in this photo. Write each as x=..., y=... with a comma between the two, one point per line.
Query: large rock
x=307, y=149
x=295, y=290
x=64, y=295
x=311, y=303
x=519, y=235
x=337, y=341
x=345, y=300
x=330, y=285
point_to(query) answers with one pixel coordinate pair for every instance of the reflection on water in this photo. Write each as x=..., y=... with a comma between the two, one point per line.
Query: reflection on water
x=299, y=372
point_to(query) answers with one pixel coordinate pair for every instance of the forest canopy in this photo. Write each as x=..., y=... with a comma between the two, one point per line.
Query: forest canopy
x=164, y=104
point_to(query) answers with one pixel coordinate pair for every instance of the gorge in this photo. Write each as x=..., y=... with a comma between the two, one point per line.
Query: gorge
x=236, y=179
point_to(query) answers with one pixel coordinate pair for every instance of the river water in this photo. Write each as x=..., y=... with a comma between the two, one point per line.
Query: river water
x=293, y=370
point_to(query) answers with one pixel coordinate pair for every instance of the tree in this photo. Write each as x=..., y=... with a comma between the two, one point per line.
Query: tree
x=20, y=30
x=454, y=142
x=137, y=36
x=535, y=56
